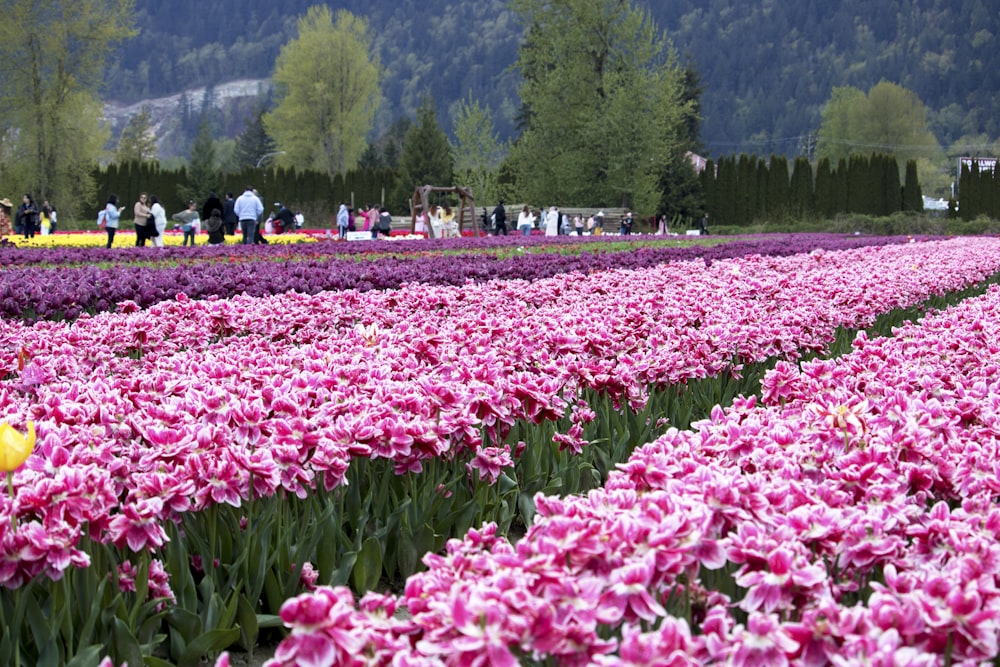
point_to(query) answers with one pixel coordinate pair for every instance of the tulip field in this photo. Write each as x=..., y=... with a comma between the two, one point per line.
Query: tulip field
x=491, y=452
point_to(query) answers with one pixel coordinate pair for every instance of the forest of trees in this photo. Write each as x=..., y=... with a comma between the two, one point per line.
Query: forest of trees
x=766, y=68
x=586, y=102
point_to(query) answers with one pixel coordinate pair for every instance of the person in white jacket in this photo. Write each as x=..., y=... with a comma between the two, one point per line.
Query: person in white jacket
x=552, y=222
x=159, y=220
x=525, y=221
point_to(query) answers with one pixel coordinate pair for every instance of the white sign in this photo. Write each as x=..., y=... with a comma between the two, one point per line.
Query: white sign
x=359, y=236
x=985, y=163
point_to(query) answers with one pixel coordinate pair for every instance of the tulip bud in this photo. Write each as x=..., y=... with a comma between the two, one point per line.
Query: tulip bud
x=15, y=448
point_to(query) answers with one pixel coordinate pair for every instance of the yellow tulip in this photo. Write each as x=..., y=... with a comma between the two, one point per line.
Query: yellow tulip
x=15, y=448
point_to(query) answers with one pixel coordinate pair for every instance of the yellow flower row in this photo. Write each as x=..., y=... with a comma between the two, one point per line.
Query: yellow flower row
x=126, y=239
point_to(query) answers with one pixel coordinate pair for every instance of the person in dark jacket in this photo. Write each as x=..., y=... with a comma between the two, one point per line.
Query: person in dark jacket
x=500, y=220
x=384, y=223
x=284, y=221
x=212, y=203
x=230, y=221
x=214, y=225
x=29, y=216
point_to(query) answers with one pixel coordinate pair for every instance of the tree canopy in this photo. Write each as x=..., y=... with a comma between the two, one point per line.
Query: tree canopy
x=603, y=107
x=137, y=142
x=890, y=119
x=327, y=81
x=54, y=53
x=426, y=158
x=478, y=150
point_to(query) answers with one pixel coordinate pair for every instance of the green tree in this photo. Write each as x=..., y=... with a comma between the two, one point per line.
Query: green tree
x=138, y=139
x=778, y=187
x=603, y=104
x=53, y=54
x=384, y=153
x=478, y=151
x=426, y=158
x=253, y=142
x=824, y=189
x=327, y=81
x=913, y=198
x=683, y=199
x=890, y=119
x=202, y=174
x=802, y=196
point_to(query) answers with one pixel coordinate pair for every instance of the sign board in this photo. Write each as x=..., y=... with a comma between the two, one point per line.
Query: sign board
x=359, y=236
x=985, y=163
x=694, y=232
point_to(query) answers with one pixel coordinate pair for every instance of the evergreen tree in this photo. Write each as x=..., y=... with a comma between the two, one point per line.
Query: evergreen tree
x=892, y=192
x=913, y=199
x=138, y=141
x=727, y=192
x=801, y=196
x=426, y=158
x=202, y=174
x=604, y=106
x=683, y=198
x=761, y=206
x=371, y=158
x=825, y=189
x=995, y=190
x=254, y=142
x=841, y=198
x=709, y=188
x=858, y=180
x=746, y=174
x=967, y=182
x=778, y=187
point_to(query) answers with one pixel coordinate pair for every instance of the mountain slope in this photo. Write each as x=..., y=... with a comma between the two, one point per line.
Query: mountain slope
x=767, y=67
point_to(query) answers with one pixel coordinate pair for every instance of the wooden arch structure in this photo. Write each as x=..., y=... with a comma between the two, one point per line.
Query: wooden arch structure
x=421, y=201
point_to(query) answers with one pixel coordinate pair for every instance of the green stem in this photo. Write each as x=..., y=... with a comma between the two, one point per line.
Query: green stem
x=10, y=490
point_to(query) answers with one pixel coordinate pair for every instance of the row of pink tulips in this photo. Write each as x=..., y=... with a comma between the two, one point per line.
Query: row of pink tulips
x=144, y=415
x=849, y=520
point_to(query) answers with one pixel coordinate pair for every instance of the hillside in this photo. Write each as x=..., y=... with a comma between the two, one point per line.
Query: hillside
x=766, y=67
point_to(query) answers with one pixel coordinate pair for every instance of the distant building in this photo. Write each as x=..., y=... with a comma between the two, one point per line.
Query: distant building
x=697, y=161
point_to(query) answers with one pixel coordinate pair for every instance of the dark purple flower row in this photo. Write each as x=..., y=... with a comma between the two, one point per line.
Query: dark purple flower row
x=36, y=292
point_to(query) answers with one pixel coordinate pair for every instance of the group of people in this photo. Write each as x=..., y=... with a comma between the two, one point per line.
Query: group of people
x=150, y=219
x=219, y=218
x=374, y=219
x=553, y=221
x=28, y=218
x=284, y=221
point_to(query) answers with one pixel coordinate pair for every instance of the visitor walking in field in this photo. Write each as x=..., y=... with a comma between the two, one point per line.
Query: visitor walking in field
x=552, y=222
x=343, y=219
x=500, y=220
x=159, y=221
x=625, y=227
x=449, y=226
x=112, y=214
x=190, y=221
x=248, y=209
x=230, y=220
x=525, y=221
x=50, y=210
x=29, y=216
x=5, y=226
x=142, y=219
